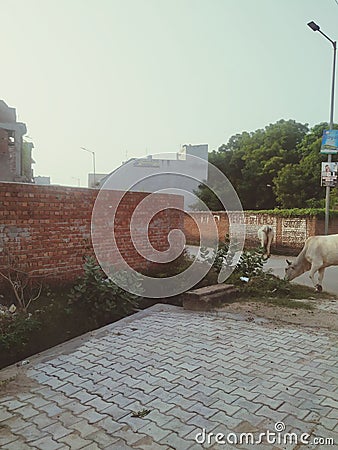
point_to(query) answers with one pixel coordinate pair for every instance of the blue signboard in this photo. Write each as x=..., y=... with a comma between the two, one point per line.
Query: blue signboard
x=329, y=142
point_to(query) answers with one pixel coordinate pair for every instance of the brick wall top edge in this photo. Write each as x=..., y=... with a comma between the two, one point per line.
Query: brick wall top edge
x=28, y=187
x=233, y=212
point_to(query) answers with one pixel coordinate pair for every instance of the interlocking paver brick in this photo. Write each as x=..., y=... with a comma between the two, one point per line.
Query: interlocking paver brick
x=24, y=395
x=27, y=411
x=134, y=423
x=42, y=420
x=202, y=388
x=74, y=441
x=16, y=423
x=147, y=443
x=115, y=412
x=5, y=414
x=98, y=404
x=191, y=370
x=18, y=444
x=180, y=427
x=92, y=446
x=173, y=440
x=330, y=424
x=11, y=405
x=46, y=443
x=32, y=433
x=6, y=436
x=129, y=435
x=330, y=402
x=120, y=444
x=154, y=431
x=103, y=439
x=92, y=416
x=45, y=391
x=51, y=409
x=161, y=405
x=57, y=430
x=67, y=418
x=84, y=428
x=110, y=425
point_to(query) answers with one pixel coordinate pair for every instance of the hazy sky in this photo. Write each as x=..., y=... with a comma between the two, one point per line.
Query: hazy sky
x=131, y=77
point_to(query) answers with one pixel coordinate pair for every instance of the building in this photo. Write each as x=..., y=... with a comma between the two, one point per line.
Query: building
x=179, y=173
x=15, y=154
x=42, y=181
x=94, y=180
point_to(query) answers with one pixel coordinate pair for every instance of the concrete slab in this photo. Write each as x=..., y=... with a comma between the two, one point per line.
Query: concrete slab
x=190, y=376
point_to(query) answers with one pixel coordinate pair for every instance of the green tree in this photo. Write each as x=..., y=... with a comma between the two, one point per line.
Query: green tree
x=252, y=161
x=298, y=185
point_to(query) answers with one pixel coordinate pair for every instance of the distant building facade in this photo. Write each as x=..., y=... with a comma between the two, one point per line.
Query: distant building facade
x=181, y=172
x=15, y=154
x=42, y=181
x=95, y=180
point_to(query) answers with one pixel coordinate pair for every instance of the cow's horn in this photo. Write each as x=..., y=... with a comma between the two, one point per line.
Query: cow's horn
x=288, y=262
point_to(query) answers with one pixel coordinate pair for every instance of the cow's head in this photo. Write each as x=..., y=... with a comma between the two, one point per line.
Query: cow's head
x=290, y=271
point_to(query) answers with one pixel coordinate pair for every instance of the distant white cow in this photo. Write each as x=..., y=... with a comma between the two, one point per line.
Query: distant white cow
x=318, y=253
x=266, y=235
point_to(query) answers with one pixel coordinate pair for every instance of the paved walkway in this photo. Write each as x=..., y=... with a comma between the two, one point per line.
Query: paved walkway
x=191, y=371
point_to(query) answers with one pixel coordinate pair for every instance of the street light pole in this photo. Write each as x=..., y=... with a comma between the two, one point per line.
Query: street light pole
x=316, y=27
x=93, y=153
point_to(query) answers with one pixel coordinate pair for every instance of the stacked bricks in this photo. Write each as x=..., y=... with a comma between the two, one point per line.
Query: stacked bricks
x=47, y=229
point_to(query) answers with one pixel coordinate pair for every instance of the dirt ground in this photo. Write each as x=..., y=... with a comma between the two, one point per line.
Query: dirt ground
x=323, y=316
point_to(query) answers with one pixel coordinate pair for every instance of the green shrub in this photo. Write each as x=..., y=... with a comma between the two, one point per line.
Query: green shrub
x=16, y=329
x=172, y=268
x=250, y=263
x=102, y=300
x=296, y=212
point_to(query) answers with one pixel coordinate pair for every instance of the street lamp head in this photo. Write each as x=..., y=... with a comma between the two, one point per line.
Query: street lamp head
x=313, y=26
x=86, y=149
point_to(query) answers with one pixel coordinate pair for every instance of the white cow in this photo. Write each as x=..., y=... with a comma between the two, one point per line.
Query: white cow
x=266, y=235
x=318, y=253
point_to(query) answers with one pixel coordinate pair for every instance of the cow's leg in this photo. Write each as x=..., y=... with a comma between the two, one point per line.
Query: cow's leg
x=268, y=245
x=314, y=269
x=320, y=279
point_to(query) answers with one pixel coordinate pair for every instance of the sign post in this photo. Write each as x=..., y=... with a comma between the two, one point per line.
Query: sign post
x=315, y=27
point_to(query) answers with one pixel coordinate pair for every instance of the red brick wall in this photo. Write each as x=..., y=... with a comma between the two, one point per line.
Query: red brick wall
x=333, y=226
x=290, y=233
x=47, y=228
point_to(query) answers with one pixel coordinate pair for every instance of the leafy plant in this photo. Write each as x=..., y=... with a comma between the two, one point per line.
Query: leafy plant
x=15, y=330
x=100, y=297
x=172, y=268
x=251, y=263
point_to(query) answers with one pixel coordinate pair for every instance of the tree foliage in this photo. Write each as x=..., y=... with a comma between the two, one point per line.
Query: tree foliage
x=278, y=166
